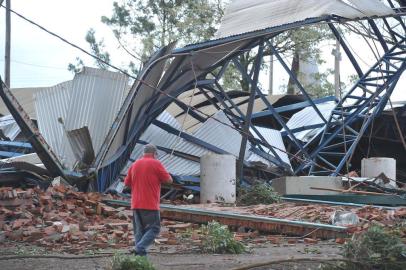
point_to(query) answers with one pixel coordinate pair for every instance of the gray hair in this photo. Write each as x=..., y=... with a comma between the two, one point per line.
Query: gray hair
x=150, y=149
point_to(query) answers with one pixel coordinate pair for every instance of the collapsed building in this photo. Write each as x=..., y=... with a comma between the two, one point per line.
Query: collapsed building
x=82, y=135
x=90, y=129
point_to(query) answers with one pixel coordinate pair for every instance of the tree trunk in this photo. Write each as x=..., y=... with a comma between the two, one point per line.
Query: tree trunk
x=295, y=71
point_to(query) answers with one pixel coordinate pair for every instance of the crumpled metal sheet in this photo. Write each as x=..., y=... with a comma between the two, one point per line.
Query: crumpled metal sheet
x=9, y=127
x=218, y=133
x=308, y=117
x=91, y=99
x=81, y=145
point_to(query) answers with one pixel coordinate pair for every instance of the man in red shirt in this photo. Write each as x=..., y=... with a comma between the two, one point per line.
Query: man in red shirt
x=144, y=178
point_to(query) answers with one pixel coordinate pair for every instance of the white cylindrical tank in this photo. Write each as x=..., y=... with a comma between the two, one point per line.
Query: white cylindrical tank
x=372, y=167
x=217, y=178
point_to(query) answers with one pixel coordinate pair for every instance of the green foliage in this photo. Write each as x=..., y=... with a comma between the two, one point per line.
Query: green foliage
x=219, y=239
x=97, y=48
x=125, y=262
x=323, y=87
x=374, y=249
x=143, y=26
x=158, y=23
x=77, y=67
x=259, y=193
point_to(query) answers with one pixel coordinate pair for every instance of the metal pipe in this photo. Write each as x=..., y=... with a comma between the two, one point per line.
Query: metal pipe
x=334, y=203
x=226, y=214
x=251, y=218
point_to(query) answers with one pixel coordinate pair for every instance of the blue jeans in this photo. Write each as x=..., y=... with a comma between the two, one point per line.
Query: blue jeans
x=147, y=225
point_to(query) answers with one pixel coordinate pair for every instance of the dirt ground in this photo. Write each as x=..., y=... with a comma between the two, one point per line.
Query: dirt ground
x=168, y=258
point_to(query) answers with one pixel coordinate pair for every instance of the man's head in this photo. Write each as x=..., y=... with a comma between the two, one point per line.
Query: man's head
x=150, y=150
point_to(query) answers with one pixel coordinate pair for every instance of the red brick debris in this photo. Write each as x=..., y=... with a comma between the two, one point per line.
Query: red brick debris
x=319, y=213
x=61, y=219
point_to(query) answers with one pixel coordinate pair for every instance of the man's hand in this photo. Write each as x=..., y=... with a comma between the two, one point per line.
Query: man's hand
x=170, y=180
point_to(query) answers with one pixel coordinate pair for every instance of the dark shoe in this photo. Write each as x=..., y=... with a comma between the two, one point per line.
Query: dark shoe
x=135, y=253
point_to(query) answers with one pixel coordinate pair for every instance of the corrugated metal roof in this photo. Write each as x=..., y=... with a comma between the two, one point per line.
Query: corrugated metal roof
x=308, y=117
x=25, y=97
x=274, y=138
x=212, y=132
x=243, y=16
x=159, y=137
x=9, y=127
x=191, y=124
x=91, y=99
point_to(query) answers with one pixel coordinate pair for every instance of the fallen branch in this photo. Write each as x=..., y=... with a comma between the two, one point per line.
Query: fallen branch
x=351, y=191
x=295, y=260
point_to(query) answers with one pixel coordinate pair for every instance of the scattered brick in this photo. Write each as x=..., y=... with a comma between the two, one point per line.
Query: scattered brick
x=310, y=241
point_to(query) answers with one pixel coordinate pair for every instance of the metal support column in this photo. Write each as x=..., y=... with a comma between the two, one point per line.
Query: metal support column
x=247, y=122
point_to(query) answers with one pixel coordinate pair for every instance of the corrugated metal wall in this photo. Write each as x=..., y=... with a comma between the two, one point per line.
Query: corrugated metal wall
x=51, y=104
x=91, y=99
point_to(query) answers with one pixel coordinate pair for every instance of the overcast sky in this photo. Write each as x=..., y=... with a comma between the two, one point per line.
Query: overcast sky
x=39, y=59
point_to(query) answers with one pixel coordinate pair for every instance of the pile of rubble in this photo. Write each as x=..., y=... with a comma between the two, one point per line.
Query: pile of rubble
x=323, y=213
x=320, y=213
x=62, y=219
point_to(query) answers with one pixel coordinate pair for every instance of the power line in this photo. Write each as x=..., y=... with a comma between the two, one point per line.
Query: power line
x=155, y=88
x=35, y=65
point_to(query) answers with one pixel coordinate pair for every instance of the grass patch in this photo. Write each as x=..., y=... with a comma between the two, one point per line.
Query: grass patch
x=259, y=193
x=128, y=262
x=218, y=239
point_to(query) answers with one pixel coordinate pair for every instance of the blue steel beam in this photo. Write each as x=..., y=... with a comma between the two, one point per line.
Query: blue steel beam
x=174, y=152
x=378, y=34
x=346, y=49
x=363, y=108
x=265, y=32
x=296, y=106
x=309, y=127
x=294, y=78
x=247, y=121
x=262, y=141
x=271, y=108
x=188, y=137
x=14, y=144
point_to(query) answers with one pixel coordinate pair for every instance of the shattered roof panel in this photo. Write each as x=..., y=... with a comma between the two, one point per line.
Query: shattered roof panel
x=244, y=16
x=9, y=127
x=308, y=117
x=274, y=138
x=212, y=132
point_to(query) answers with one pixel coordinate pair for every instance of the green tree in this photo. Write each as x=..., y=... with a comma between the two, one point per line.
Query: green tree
x=297, y=44
x=141, y=27
x=97, y=48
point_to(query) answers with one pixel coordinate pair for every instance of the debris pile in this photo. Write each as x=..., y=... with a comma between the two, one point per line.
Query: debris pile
x=319, y=213
x=63, y=219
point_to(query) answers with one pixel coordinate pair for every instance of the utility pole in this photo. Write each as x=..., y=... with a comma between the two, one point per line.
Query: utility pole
x=270, y=91
x=8, y=39
x=337, y=55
